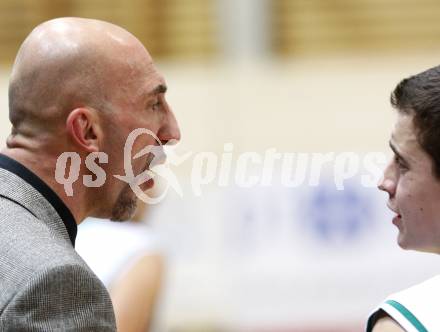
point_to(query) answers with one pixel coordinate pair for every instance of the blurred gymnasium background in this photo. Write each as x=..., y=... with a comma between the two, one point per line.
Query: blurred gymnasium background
x=311, y=76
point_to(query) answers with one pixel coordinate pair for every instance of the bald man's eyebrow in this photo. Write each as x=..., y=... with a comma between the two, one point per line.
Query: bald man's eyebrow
x=393, y=147
x=161, y=88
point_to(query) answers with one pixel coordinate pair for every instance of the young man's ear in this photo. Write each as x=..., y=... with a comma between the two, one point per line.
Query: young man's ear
x=83, y=127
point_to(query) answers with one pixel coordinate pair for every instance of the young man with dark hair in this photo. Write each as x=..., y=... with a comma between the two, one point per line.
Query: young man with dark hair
x=412, y=181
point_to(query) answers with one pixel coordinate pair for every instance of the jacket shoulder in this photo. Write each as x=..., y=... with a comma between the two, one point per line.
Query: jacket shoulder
x=43, y=280
x=60, y=297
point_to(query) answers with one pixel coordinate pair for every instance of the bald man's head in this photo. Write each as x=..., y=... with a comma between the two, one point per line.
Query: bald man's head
x=84, y=86
x=67, y=63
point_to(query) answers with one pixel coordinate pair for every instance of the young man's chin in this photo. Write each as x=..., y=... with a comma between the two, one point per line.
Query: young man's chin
x=401, y=241
x=404, y=244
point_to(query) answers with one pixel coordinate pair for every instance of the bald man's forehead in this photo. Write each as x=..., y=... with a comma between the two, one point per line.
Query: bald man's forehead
x=152, y=73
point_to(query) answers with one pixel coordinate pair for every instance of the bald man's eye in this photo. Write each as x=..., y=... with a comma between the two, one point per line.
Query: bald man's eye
x=156, y=106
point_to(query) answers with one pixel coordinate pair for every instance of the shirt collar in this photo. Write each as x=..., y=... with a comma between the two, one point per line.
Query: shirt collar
x=18, y=169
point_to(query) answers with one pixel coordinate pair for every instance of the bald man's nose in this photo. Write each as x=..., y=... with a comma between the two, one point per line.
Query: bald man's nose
x=170, y=131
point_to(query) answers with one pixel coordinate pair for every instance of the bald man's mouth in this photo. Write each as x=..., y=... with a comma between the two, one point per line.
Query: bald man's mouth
x=150, y=163
x=147, y=184
x=158, y=158
x=153, y=159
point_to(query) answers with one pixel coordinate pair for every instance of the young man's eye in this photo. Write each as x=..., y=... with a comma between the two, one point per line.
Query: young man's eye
x=400, y=163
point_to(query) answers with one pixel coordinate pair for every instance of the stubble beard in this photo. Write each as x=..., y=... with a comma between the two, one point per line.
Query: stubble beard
x=125, y=205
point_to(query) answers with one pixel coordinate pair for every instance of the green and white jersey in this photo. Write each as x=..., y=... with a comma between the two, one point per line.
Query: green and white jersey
x=416, y=309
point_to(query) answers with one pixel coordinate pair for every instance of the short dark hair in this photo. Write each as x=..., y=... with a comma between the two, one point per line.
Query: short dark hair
x=419, y=95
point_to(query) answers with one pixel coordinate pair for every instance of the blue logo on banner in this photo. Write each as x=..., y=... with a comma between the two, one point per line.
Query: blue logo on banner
x=337, y=215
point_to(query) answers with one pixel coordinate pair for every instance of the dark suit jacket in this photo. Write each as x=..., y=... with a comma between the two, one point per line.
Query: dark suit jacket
x=44, y=284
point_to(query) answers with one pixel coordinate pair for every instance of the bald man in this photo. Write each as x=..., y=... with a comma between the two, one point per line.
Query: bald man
x=79, y=86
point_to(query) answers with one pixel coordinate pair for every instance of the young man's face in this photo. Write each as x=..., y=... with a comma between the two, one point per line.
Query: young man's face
x=414, y=191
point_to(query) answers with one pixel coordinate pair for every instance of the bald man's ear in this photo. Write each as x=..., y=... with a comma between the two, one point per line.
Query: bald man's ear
x=83, y=126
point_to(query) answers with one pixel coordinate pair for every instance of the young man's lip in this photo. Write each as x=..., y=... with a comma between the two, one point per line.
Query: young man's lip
x=396, y=219
x=393, y=209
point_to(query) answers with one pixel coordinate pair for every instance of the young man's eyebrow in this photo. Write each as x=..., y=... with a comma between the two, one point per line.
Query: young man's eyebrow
x=393, y=147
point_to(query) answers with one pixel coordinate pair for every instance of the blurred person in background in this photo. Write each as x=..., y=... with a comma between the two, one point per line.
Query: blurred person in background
x=128, y=259
x=412, y=181
x=79, y=86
